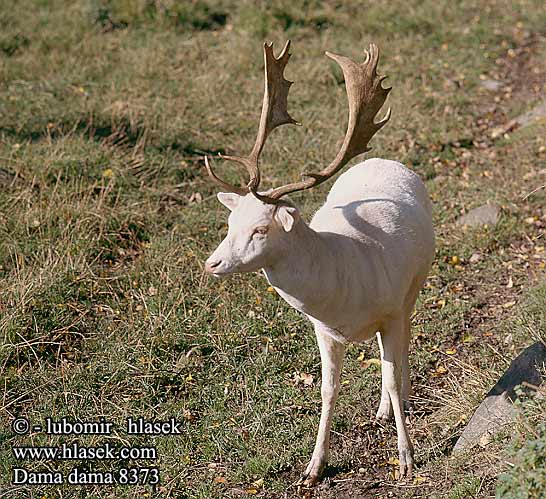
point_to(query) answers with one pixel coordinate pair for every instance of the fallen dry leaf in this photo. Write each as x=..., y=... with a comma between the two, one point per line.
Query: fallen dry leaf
x=371, y=362
x=501, y=130
x=196, y=197
x=304, y=378
x=485, y=440
x=439, y=371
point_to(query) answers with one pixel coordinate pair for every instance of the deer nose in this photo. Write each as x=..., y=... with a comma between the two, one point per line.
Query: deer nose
x=210, y=266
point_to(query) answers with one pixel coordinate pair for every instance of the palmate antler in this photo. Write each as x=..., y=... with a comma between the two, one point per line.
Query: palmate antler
x=274, y=114
x=366, y=97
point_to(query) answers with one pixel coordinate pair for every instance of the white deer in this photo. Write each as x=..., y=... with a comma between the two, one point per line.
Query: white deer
x=355, y=271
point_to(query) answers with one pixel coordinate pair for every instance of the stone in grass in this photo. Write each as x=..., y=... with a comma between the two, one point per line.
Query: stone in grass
x=535, y=115
x=485, y=214
x=475, y=258
x=492, y=85
x=497, y=410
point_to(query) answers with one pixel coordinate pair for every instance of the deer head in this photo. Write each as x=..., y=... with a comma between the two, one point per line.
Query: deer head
x=260, y=223
x=258, y=234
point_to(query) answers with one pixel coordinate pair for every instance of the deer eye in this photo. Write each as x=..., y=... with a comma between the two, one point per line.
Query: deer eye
x=262, y=230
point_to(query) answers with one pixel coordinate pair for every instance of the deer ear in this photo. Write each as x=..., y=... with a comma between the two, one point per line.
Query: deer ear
x=286, y=216
x=229, y=199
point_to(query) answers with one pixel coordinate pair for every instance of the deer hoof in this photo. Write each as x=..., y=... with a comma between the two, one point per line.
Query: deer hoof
x=384, y=413
x=406, y=463
x=312, y=473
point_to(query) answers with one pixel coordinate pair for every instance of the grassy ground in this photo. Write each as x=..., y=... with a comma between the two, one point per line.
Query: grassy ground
x=106, y=218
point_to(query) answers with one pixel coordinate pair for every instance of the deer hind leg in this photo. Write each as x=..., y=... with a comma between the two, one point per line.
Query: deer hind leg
x=407, y=391
x=392, y=361
x=331, y=356
x=385, y=411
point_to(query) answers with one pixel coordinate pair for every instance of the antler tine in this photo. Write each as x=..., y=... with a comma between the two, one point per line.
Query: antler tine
x=274, y=114
x=223, y=184
x=366, y=96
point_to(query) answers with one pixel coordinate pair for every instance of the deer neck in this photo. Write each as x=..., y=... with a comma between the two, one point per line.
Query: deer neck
x=305, y=273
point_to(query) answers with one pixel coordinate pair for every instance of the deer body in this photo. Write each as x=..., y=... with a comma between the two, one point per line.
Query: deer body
x=364, y=251
x=357, y=269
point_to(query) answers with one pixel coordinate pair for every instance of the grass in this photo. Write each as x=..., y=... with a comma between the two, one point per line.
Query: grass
x=106, y=218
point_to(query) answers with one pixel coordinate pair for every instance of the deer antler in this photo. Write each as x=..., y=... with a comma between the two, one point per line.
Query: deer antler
x=366, y=97
x=274, y=114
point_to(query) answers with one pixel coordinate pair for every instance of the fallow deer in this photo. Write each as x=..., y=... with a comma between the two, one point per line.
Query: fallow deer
x=355, y=271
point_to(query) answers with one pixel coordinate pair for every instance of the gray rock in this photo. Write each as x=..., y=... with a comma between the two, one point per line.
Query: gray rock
x=497, y=410
x=475, y=258
x=485, y=214
x=538, y=113
x=492, y=85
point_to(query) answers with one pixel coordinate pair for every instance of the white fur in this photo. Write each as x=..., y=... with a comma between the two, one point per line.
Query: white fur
x=354, y=271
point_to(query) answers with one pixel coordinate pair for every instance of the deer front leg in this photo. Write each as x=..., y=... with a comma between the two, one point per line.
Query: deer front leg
x=331, y=357
x=392, y=361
